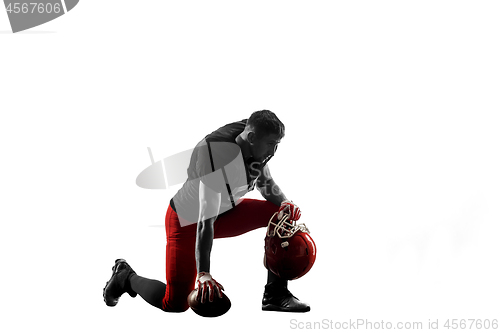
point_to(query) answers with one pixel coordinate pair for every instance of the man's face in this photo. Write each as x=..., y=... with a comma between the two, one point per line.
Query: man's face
x=264, y=148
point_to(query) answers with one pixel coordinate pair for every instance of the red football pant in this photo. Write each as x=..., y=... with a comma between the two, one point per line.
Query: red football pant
x=248, y=215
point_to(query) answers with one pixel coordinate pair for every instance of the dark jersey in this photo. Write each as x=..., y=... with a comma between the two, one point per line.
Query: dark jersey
x=218, y=162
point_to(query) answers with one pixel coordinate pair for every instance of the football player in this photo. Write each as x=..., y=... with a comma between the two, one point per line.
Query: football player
x=224, y=166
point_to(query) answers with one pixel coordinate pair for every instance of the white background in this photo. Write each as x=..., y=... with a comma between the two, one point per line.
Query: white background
x=391, y=151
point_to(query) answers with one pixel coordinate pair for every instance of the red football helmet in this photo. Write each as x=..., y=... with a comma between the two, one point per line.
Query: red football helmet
x=290, y=251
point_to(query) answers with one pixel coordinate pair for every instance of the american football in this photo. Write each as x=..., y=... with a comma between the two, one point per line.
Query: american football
x=217, y=308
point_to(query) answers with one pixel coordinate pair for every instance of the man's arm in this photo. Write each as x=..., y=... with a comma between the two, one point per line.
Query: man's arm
x=271, y=192
x=268, y=187
x=209, y=210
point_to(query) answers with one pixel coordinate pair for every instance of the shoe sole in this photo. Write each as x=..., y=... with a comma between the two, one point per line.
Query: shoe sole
x=271, y=307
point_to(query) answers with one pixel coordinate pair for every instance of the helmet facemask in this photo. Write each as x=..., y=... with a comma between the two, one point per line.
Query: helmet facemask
x=284, y=228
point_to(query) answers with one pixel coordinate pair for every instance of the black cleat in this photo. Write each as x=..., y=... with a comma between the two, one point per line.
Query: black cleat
x=119, y=283
x=283, y=301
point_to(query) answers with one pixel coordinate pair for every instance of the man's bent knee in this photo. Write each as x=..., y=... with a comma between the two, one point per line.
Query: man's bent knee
x=179, y=307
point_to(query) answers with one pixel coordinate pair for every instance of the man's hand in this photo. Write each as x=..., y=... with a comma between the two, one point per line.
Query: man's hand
x=291, y=209
x=207, y=287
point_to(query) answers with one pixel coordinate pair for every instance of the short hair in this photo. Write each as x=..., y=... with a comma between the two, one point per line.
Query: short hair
x=265, y=122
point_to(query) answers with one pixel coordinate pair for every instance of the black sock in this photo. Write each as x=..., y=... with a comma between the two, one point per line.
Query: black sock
x=152, y=291
x=275, y=282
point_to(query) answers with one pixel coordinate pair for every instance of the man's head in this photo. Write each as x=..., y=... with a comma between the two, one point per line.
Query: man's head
x=263, y=132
